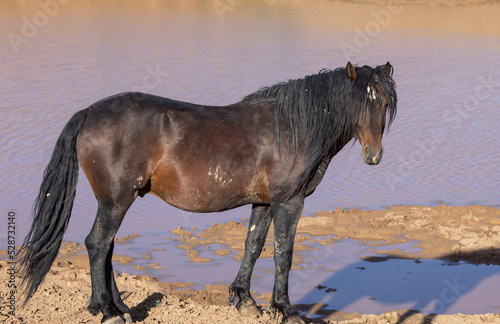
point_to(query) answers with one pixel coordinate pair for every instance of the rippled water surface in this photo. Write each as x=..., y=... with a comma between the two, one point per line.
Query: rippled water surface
x=443, y=146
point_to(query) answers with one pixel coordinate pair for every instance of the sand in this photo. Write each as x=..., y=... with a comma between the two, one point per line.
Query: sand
x=470, y=233
x=444, y=3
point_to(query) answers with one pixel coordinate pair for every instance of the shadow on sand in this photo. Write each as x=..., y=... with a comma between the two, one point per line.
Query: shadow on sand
x=412, y=286
x=141, y=311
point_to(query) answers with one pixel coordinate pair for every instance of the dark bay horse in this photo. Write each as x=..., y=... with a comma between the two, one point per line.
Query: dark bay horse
x=270, y=150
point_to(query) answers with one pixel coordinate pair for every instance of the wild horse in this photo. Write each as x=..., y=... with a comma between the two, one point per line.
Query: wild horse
x=270, y=150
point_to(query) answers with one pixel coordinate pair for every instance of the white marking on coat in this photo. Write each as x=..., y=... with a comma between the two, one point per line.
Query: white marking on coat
x=371, y=93
x=220, y=176
x=252, y=228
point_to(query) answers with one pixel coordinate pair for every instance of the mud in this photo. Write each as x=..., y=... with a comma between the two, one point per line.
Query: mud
x=468, y=233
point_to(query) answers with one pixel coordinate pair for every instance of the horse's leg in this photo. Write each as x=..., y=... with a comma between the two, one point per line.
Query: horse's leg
x=117, y=300
x=286, y=216
x=256, y=238
x=99, y=245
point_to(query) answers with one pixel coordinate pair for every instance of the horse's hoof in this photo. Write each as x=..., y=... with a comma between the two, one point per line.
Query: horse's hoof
x=294, y=320
x=128, y=318
x=249, y=310
x=114, y=320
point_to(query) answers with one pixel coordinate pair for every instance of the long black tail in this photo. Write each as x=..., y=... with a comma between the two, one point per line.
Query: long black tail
x=52, y=208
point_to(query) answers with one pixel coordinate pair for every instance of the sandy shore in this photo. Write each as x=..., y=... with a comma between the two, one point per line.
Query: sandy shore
x=444, y=3
x=470, y=233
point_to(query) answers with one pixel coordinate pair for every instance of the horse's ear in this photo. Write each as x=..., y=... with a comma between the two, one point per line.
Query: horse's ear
x=388, y=68
x=351, y=72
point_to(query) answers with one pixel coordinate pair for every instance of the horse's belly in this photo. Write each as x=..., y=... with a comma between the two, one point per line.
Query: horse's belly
x=209, y=189
x=203, y=201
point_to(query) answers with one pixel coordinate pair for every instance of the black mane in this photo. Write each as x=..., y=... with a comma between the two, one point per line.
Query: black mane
x=322, y=109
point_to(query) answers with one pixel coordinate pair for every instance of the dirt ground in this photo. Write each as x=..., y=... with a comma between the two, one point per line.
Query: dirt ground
x=470, y=233
x=445, y=3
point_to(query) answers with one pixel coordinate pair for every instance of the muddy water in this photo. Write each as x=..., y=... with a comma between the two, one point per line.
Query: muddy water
x=443, y=146
x=352, y=278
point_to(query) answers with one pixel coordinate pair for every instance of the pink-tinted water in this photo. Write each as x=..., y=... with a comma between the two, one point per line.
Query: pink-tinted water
x=59, y=57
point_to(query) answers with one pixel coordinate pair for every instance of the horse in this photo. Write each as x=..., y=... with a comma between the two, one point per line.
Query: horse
x=270, y=150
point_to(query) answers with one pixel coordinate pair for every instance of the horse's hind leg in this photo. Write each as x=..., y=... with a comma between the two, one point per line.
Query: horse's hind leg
x=256, y=238
x=117, y=300
x=105, y=295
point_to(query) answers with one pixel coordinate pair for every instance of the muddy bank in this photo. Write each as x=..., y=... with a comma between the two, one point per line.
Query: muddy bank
x=444, y=3
x=66, y=291
x=469, y=233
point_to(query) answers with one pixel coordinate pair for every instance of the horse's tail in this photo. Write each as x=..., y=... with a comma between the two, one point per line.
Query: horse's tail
x=52, y=208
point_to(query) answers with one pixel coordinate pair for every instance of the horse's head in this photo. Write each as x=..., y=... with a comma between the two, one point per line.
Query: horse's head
x=377, y=92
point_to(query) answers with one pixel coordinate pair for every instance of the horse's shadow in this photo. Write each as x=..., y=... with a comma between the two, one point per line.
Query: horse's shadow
x=415, y=286
x=141, y=311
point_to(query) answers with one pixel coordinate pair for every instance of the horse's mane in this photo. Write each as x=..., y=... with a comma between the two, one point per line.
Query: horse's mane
x=322, y=109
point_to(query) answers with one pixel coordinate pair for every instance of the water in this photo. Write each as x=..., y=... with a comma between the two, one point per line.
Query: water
x=347, y=276
x=429, y=286
x=443, y=146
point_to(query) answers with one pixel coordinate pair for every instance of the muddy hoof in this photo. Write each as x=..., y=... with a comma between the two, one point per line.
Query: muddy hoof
x=114, y=320
x=249, y=310
x=128, y=318
x=294, y=320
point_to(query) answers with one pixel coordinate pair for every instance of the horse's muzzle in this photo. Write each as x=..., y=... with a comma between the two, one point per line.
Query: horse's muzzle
x=372, y=156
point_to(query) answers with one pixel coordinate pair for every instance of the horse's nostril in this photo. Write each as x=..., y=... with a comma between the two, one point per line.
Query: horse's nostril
x=372, y=156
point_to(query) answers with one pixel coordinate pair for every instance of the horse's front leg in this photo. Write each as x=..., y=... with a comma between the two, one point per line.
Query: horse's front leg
x=286, y=216
x=256, y=238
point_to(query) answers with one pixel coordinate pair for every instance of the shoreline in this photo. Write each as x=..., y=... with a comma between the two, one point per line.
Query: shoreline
x=436, y=3
x=468, y=233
